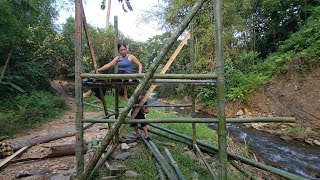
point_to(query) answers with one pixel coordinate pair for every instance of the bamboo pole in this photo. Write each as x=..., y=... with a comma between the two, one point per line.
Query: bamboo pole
x=204, y=161
x=153, y=67
x=154, y=76
x=161, y=175
x=247, y=174
x=164, y=165
x=193, y=109
x=197, y=120
x=103, y=159
x=116, y=90
x=78, y=90
x=170, y=168
x=168, y=105
x=174, y=164
x=151, y=89
x=221, y=91
x=231, y=155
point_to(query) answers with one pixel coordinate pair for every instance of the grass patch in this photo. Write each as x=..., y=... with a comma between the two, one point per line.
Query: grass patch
x=29, y=110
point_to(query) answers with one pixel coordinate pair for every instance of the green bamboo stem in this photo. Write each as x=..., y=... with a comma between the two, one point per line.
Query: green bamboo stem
x=170, y=168
x=161, y=175
x=204, y=161
x=221, y=91
x=231, y=155
x=174, y=164
x=78, y=90
x=103, y=159
x=246, y=173
x=165, y=166
x=155, y=76
x=196, y=120
x=152, y=68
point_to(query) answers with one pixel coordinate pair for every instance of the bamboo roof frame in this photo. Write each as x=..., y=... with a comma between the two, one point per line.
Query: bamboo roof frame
x=84, y=173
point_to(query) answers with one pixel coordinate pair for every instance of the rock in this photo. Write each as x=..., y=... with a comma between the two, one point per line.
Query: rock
x=132, y=145
x=116, y=169
x=123, y=156
x=131, y=174
x=191, y=155
x=124, y=146
x=70, y=172
x=316, y=142
x=286, y=138
x=309, y=141
x=257, y=125
x=239, y=113
x=108, y=178
x=60, y=177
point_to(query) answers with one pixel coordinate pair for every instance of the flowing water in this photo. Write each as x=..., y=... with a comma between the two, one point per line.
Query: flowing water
x=292, y=156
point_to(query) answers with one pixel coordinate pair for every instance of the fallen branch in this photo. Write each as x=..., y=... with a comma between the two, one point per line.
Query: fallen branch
x=34, y=140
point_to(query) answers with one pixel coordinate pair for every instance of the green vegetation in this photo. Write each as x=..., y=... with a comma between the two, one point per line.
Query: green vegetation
x=27, y=111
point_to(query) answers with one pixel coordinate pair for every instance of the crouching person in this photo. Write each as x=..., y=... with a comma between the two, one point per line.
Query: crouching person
x=140, y=115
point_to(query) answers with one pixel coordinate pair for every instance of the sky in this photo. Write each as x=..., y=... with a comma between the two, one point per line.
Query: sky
x=128, y=23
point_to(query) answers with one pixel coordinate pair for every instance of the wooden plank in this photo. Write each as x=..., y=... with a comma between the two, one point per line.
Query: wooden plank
x=6, y=160
x=152, y=87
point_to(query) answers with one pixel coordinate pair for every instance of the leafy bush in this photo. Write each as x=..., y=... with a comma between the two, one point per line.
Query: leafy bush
x=28, y=110
x=30, y=76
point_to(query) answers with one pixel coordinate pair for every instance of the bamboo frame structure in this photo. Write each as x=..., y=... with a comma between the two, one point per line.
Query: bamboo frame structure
x=141, y=80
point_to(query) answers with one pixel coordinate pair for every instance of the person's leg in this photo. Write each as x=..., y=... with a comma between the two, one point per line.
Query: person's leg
x=87, y=94
x=136, y=129
x=145, y=130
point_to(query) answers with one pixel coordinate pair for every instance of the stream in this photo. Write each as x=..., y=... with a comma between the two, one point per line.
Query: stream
x=292, y=156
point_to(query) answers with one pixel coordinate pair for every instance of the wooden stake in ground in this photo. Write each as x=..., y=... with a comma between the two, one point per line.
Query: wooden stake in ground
x=152, y=87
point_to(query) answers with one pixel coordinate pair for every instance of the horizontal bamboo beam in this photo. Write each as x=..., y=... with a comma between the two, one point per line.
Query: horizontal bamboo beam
x=155, y=76
x=168, y=105
x=198, y=120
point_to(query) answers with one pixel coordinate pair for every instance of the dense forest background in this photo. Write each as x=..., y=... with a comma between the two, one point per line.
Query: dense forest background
x=261, y=39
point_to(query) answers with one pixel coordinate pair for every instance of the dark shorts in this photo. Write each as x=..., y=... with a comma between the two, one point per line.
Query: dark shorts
x=135, y=125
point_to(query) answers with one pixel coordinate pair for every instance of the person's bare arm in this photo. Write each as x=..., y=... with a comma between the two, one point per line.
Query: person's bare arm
x=109, y=65
x=137, y=62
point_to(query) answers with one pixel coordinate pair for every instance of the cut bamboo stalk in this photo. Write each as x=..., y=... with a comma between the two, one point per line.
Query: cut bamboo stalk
x=230, y=155
x=103, y=159
x=221, y=91
x=152, y=68
x=170, y=168
x=174, y=164
x=161, y=175
x=204, y=161
x=246, y=173
x=197, y=120
x=160, y=160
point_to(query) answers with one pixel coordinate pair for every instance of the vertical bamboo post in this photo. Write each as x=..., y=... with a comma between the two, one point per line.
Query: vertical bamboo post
x=221, y=90
x=116, y=90
x=193, y=109
x=78, y=91
x=152, y=69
